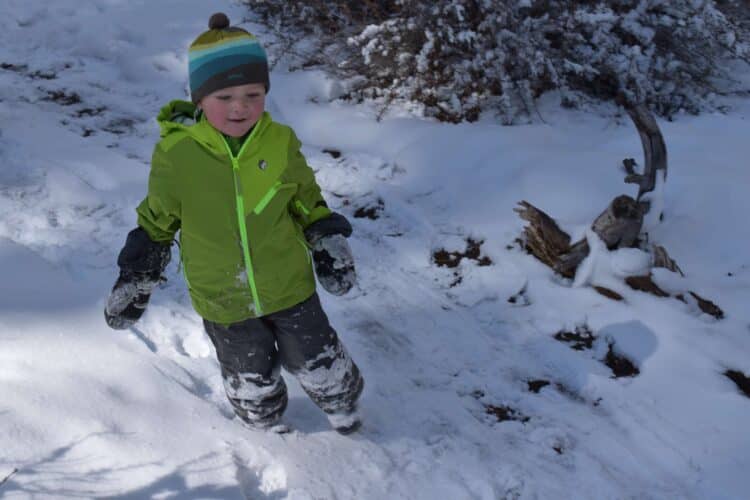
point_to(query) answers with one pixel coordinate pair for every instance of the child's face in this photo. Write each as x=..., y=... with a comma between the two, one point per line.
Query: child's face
x=234, y=110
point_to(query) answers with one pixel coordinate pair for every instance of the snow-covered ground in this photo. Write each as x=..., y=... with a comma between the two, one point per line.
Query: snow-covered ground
x=87, y=412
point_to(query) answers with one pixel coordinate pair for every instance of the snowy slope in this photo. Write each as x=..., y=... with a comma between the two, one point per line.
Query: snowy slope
x=87, y=412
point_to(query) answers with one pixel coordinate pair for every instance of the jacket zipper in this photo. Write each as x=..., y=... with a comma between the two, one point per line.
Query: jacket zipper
x=240, y=204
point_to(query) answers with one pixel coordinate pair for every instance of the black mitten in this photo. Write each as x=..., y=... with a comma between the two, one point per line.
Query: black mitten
x=141, y=263
x=128, y=299
x=334, y=263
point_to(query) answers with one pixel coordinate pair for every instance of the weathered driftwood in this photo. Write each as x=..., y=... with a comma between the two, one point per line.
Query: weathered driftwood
x=654, y=150
x=542, y=236
x=618, y=226
x=568, y=262
x=662, y=259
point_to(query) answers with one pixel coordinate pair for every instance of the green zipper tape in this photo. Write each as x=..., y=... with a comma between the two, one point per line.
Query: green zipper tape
x=302, y=208
x=270, y=194
x=307, y=249
x=267, y=198
x=241, y=220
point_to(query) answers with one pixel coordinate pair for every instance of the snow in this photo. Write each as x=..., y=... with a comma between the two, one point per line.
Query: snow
x=89, y=412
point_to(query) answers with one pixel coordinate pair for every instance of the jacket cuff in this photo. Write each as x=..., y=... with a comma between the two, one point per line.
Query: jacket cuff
x=142, y=255
x=333, y=224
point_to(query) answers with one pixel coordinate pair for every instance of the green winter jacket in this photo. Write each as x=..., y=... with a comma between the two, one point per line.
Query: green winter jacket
x=241, y=218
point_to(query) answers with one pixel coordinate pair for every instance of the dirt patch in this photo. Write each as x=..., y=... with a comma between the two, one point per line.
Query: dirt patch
x=740, y=379
x=705, y=305
x=24, y=70
x=520, y=298
x=120, y=126
x=645, y=284
x=505, y=413
x=90, y=111
x=537, y=385
x=335, y=153
x=16, y=68
x=582, y=338
x=610, y=294
x=620, y=365
x=473, y=251
x=62, y=98
x=370, y=212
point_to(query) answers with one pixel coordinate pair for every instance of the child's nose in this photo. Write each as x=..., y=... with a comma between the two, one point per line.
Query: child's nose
x=240, y=105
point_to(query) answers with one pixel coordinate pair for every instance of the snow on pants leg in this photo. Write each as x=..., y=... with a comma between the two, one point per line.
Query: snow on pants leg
x=251, y=370
x=312, y=352
x=302, y=340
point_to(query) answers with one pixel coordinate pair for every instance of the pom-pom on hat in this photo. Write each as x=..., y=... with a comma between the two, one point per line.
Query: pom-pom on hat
x=223, y=57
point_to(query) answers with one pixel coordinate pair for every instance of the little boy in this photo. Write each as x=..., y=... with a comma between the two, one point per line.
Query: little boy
x=235, y=185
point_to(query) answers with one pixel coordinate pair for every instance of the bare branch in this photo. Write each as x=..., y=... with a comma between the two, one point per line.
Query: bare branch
x=8, y=476
x=629, y=165
x=654, y=149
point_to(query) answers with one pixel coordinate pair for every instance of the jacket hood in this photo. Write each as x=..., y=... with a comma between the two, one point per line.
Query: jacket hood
x=183, y=117
x=176, y=115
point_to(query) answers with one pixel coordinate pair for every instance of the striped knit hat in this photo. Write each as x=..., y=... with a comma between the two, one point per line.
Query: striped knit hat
x=224, y=57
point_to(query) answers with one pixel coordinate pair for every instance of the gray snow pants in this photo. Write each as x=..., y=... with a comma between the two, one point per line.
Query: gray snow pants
x=301, y=340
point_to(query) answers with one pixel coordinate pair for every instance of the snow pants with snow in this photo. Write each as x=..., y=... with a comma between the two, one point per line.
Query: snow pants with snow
x=252, y=352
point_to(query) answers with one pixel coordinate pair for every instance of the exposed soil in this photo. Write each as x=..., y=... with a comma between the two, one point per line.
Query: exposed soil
x=520, y=298
x=620, y=365
x=708, y=307
x=579, y=340
x=645, y=284
x=62, y=98
x=335, y=153
x=91, y=111
x=536, y=385
x=505, y=413
x=739, y=378
x=610, y=294
x=24, y=70
x=17, y=68
x=120, y=126
x=370, y=212
x=473, y=251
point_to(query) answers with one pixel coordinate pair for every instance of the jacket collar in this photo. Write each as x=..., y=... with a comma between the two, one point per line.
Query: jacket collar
x=183, y=116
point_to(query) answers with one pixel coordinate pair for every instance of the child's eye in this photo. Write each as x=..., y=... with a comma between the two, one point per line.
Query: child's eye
x=223, y=97
x=252, y=96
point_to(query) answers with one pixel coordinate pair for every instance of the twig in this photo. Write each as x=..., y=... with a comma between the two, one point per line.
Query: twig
x=8, y=476
x=387, y=104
